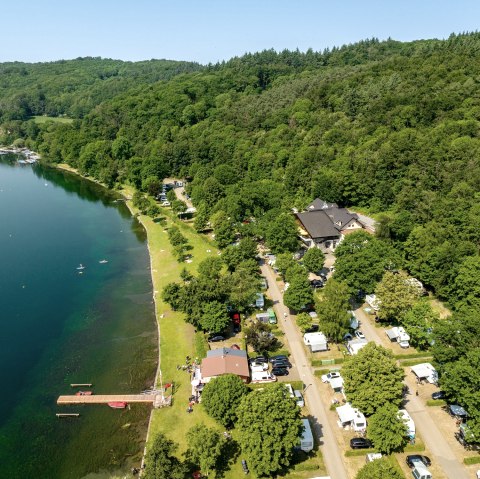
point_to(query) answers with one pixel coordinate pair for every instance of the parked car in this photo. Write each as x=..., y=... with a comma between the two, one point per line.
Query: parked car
x=277, y=371
x=313, y=328
x=236, y=328
x=166, y=203
x=360, y=443
x=411, y=460
x=244, y=466
x=439, y=395
x=359, y=334
x=299, y=398
x=215, y=338
x=326, y=378
x=281, y=363
x=278, y=356
x=259, y=365
x=258, y=359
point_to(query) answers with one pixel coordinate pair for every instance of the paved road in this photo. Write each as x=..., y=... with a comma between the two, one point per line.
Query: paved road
x=332, y=454
x=434, y=440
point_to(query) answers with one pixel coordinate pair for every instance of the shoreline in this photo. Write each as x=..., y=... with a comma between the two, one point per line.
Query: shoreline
x=135, y=214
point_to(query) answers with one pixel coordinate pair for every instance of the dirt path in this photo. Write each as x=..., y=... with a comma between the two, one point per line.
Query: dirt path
x=332, y=454
x=434, y=440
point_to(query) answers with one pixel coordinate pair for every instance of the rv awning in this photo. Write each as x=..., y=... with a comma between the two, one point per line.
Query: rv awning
x=423, y=371
x=345, y=413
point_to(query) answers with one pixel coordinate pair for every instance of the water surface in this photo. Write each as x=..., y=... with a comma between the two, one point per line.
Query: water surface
x=61, y=325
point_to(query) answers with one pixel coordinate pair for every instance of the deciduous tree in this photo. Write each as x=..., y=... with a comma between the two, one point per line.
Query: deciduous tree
x=313, y=260
x=372, y=379
x=387, y=431
x=161, y=462
x=222, y=396
x=269, y=427
x=379, y=469
x=214, y=318
x=204, y=447
x=299, y=293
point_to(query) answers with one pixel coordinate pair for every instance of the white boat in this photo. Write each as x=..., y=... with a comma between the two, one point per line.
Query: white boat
x=81, y=266
x=103, y=261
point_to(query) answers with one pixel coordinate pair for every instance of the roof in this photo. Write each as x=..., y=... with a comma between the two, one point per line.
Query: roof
x=423, y=370
x=318, y=224
x=340, y=216
x=336, y=383
x=314, y=338
x=225, y=364
x=225, y=351
x=347, y=413
x=318, y=204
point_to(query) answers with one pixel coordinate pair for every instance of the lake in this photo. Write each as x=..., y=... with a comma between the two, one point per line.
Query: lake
x=61, y=325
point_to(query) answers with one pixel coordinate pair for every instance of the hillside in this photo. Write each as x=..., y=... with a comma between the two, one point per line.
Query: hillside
x=388, y=127
x=74, y=87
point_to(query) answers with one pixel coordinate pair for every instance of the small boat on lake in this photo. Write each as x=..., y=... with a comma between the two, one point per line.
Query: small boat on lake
x=103, y=261
x=80, y=266
x=118, y=404
x=84, y=393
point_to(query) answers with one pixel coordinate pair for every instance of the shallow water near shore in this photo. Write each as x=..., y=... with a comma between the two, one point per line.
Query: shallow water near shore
x=63, y=325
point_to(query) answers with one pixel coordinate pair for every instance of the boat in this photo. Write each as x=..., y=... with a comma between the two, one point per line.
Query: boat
x=80, y=266
x=118, y=404
x=84, y=393
x=103, y=261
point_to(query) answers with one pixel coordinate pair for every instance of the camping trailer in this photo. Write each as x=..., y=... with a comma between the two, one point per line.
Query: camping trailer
x=316, y=341
x=306, y=439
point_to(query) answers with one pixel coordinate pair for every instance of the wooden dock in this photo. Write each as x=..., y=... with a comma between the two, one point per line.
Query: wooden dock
x=106, y=398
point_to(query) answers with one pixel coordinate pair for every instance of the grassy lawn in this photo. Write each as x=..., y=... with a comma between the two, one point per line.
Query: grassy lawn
x=56, y=119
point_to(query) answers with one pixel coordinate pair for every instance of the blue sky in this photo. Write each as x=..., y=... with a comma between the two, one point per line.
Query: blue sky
x=212, y=30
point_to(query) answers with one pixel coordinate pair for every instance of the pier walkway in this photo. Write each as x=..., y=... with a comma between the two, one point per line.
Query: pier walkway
x=155, y=399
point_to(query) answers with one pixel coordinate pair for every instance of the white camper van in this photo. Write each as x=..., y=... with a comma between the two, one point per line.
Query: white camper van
x=306, y=439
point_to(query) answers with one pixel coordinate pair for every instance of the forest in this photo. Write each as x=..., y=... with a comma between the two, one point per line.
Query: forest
x=387, y=128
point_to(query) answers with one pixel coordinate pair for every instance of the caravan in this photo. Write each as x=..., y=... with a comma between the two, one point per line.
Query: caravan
x=306, y=439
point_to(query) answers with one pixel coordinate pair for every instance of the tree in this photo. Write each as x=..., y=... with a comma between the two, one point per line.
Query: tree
x=152, y=185
x=361, y=261
x=222, y=396
x=299, y=293
x=380, y=469
x=160, y=461
x=333, y=310
x=200, y=222
x=283, y=262
x=244, y=285
x=269, y=426
x=372, y=379
x=223, y=229
x=304, y=321
x=233, y=255
x=215, y=317
x=281, y=234
x=313, y=260
x=387, y=430
x=396, y=296
x=461, y=381
x=171, y=294
x=179, y=207
x=205, y=447
x=418, y=323
x=210, y=268
x=176, y=238
x=466, y=286
x=260, y=337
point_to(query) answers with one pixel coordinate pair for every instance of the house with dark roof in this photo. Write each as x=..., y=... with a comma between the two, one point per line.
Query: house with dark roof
x=324, y=225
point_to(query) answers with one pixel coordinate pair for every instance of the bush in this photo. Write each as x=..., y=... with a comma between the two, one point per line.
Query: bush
x=471, y=460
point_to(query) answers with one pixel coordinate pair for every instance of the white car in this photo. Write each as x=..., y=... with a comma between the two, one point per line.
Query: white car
x=327, y=377
x=166, y=203
x=359, y=334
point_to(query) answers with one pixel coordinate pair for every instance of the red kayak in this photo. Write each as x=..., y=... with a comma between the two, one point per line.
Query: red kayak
x=118, y=405
x=84, y=393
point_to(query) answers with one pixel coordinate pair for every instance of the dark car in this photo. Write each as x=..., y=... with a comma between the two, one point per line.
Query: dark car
x=278, y=357
x=360, y=443
x=313, y=328
x=258, y=359
x=244, y=466
x=281, y=364
x=439, y=395
x=215, y=338
x=277, y=371
x=236, y=328
x=411, y=460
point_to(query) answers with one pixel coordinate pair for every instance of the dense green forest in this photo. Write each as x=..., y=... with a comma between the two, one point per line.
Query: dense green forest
x=74, y=87
x=387, y=127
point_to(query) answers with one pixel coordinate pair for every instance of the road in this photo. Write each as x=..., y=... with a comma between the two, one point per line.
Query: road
x=434, y=440
x=179, y=191
x=332, y=454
